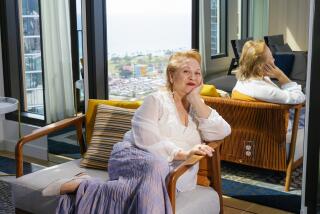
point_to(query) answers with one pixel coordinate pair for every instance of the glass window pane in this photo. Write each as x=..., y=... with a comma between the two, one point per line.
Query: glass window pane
x=218, y=27
x=32, y=66
x=141, y=35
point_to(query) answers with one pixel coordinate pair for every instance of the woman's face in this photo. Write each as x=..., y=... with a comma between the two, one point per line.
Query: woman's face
x=268, y=56
x=187, y=77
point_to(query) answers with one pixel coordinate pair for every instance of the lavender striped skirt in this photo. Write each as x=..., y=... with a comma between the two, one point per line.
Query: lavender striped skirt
x=137, y=185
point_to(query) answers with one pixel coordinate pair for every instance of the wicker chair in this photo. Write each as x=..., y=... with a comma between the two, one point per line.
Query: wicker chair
x=258, y=135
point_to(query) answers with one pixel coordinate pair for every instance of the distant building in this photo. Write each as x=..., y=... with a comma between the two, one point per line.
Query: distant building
x=32, y=57
x=140, y=70
x=215, y=33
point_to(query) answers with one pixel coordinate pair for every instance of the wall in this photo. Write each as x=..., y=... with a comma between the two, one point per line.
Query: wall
x=287, y=17
x=290, y=18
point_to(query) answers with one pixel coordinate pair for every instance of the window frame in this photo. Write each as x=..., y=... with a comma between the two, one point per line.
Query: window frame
x=12, y=57
x=223, y=30
x=96, y=42
x=12, y=60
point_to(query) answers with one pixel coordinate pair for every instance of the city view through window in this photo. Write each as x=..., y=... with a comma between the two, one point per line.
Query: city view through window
x=215, y=27
x=141, y=36
x=31, y=57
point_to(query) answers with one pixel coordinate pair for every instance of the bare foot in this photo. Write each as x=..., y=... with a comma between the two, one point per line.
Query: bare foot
x=72, y=186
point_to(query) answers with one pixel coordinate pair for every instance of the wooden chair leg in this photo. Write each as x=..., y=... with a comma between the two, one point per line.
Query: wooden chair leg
x=216, y=177
x=288, y=178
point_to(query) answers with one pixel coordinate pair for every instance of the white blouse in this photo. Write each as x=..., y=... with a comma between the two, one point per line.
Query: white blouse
x=266, y=90
x=157, y=128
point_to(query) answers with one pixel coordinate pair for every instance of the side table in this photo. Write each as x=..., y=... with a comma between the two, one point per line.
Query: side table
x=8, y=104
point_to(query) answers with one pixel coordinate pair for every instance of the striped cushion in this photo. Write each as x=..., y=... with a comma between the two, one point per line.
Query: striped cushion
x=110, y=125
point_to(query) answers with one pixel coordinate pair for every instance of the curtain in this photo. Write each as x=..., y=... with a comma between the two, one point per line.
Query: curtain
x=202, y=39
x=55, y=22
x=259, y=18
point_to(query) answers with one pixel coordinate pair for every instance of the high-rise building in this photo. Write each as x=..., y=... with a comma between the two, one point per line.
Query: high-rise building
x=215, y=29
x=32, y=65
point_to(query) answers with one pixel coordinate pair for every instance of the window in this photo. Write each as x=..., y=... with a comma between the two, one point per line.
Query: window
x=141, y=35
x=31, y=57
x=218, y=22
x=23, y=51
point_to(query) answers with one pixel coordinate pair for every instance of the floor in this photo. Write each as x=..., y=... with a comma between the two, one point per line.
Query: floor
x=231, y=205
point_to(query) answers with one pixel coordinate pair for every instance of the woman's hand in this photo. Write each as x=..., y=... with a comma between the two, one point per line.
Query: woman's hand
x=272, y=71
x=194, y=94
x=201, y=149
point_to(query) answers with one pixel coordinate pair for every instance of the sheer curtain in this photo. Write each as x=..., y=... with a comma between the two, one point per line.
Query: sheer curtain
x=202, y=37
x=259, y=21
x=55, y=22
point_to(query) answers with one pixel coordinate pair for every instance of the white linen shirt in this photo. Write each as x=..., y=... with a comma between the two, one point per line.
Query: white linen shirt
x=157, y=128
x=266, y=90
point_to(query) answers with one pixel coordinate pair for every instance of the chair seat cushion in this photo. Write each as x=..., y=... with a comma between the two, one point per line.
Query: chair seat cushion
x=27, y=191
x=201, y=200
x=225, y=83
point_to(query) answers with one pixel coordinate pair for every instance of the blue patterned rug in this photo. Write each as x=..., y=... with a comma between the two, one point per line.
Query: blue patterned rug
x=64, y=143
x=8, y=166
x=260, y=186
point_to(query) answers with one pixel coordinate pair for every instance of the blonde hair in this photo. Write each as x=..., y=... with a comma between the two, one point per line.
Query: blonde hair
x=175, y=61
x=252, y=60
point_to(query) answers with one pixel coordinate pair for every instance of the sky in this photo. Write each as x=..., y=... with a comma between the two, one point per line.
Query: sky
x=147, y=25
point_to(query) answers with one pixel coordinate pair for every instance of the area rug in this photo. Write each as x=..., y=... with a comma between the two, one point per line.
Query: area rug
x=6, y=199
x=260, y=186
x=8, y=166
x=64, y=143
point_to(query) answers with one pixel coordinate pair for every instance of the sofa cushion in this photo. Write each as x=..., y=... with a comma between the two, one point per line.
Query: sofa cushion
x=27, y=191
x=92, y=111
x=111, y=123
x=225, y=83
x=299, y=69
x=282, y=48
x=209, y=90
x=200, y=200
x=284, y=61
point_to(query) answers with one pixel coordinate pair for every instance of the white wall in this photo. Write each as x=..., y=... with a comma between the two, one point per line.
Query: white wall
x=290, y=18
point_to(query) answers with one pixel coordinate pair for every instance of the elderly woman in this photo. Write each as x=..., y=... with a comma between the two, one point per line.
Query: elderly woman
x=254, y=84
x=254, y=73
x=169, y=126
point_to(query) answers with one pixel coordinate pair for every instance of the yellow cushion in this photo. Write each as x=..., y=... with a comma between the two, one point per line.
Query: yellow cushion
x=209, y=90
x=240, y=96
x=92, y=110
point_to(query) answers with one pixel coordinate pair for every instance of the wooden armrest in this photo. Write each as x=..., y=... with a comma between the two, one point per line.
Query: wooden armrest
x=43, y=131
x=185, y=165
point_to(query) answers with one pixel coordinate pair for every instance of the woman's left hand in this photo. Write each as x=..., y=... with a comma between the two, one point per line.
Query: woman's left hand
x=201, y=149
x=194, y=94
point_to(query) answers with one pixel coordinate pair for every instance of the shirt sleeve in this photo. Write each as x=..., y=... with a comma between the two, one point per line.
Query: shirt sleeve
x=145, y=131
x=214, y=127
x=289, y=93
